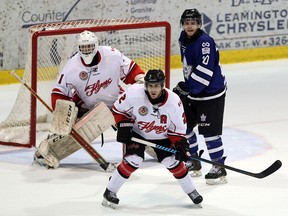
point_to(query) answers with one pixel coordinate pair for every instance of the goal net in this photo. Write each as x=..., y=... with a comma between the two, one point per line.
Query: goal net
x=52, y=44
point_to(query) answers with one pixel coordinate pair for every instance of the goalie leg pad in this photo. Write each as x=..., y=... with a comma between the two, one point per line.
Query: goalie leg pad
x=95, y=122
x=90, y=126
x=61, y=147
x=43, y=157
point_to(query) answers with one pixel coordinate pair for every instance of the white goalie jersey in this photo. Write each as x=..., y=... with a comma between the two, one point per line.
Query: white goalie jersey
x=152, y=121
x=97, y=83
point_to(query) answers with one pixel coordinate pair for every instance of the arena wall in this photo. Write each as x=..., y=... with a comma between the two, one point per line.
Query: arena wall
x=244, y=30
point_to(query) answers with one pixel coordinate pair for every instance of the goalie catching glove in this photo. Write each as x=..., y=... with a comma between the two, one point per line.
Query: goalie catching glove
x=182, y=148
x=124, y=133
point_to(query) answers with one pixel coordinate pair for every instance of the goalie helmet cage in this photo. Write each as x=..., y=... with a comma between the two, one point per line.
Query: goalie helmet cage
x=50, y=45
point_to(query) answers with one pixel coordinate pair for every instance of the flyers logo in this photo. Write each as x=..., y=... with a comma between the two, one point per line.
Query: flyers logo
x=96, y=87
x=151, y=126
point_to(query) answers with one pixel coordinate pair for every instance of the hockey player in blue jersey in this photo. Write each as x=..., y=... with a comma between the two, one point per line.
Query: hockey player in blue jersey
x=202, y=93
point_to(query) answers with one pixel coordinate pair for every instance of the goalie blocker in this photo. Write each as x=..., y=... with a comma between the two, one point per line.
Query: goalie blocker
x=64, y=117
x=57, y=147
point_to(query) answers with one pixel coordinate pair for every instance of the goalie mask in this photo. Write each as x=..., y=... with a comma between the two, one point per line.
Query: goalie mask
x=191, y=15
x=88, y=46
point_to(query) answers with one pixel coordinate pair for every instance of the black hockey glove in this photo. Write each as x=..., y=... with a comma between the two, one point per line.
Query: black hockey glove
x=180, y=90
x=81, y=112
x=182, y=148
x=124, y=133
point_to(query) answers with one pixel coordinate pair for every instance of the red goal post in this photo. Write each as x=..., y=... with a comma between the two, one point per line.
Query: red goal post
x=52, y=44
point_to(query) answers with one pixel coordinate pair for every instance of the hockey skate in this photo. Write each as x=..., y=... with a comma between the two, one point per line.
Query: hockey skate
x=196, y=197
x=40, y=161
x=110, y=199
x=194, y=166
x=217, y=175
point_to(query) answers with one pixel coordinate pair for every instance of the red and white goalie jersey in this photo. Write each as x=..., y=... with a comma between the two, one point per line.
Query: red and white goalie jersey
x=152, y=122
x=90, y=84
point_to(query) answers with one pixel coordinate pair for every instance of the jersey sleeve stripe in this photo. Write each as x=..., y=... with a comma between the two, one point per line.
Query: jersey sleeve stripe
x=200, y=79
x=204, y=70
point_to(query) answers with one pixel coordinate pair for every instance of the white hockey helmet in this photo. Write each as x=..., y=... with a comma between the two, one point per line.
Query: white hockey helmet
x=88, y=46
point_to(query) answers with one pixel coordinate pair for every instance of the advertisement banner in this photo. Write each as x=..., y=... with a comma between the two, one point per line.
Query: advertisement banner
x=234, y=24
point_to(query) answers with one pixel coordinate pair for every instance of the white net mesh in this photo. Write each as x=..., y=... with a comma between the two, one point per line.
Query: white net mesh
x=139, y=40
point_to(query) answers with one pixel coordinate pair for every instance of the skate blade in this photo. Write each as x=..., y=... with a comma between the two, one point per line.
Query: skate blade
x=221, y=180
x=41, y=165
x=108, y=204
x=195, y=173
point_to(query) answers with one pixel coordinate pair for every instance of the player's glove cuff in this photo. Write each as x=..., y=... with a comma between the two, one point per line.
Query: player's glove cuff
x=124, y=133
x=181, y=90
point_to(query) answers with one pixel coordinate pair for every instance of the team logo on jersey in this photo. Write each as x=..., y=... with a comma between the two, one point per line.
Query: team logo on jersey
x=83, y=75
x=143, y=110
x=147, y=127
x=94, y=88
x=187, y=69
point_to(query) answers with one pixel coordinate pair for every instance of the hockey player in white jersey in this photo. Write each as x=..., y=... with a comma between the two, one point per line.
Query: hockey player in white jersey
x=91, y=76
x=153, y=113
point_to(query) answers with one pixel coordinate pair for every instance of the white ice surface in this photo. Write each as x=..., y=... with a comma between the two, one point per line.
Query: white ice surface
x=255, y=135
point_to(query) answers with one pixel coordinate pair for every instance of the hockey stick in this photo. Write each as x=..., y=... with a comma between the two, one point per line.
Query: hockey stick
x=90, y=150
x=271, y=169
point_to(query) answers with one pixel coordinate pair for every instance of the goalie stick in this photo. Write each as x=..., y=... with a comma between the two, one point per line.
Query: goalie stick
x=268, y=171
x=89, y=149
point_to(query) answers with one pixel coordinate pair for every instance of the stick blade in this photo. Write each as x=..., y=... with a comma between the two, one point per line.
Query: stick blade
x=271, y=169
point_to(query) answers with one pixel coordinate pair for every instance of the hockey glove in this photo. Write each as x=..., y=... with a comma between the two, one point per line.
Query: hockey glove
x=139, y=78
x=81, y=112
x=180, y=90
x=182, y=148
x=124, y=133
